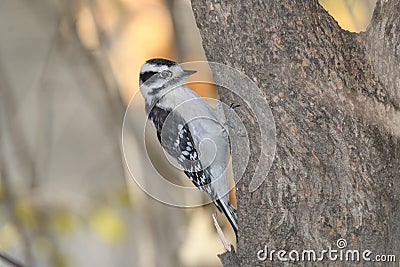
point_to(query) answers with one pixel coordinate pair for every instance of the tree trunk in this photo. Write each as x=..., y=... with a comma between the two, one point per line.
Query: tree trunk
x=335, y=98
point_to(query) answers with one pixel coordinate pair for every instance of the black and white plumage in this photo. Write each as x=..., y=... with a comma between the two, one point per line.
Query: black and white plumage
x=189, y=129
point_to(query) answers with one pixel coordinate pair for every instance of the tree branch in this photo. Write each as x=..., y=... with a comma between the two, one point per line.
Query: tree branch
x=7, y=259
x=338, y=135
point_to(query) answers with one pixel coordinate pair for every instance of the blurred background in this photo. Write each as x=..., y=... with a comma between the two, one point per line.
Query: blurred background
x=68, y=69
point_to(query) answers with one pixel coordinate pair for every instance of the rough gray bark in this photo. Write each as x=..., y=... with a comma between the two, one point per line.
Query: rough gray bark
x=335, y=98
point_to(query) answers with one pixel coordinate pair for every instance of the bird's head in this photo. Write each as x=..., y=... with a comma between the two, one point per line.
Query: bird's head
x=159, y=74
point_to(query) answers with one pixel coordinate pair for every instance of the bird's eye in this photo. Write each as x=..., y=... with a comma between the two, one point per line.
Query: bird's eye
x=165, y=74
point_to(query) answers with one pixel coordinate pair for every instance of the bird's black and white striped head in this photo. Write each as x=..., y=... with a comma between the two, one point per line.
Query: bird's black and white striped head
x=159, y=74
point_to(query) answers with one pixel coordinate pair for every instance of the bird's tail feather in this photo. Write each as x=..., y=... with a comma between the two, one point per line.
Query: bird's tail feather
x=229, y=212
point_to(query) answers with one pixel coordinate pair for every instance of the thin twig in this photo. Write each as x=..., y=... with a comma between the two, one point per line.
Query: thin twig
x=20, y=144
x=7, y=259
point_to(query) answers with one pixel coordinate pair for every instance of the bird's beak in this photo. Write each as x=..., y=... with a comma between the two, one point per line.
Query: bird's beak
x=188, y=72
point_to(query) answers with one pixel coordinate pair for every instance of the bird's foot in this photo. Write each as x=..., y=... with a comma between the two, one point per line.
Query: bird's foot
x=232, y=120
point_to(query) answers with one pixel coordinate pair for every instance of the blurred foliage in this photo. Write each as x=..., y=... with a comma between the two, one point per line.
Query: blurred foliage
x=8, y=236
x=26, y=213
x=51, y=256
x=40, y=222
x=107, y=224
x=63, y=221
x=352, y=15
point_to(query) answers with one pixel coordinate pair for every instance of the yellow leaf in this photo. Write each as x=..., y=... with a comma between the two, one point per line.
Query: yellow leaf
x=8, y=236
x=107, y=224
x=25, y=212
